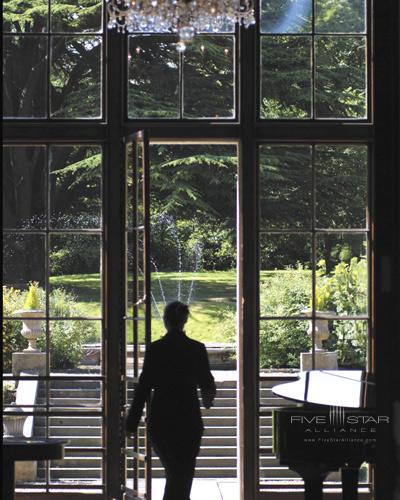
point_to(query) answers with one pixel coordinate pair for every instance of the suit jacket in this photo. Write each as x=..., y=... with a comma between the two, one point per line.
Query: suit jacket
x=174, y=367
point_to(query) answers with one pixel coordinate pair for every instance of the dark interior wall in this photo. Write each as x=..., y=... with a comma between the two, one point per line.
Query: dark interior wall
x=387, y=259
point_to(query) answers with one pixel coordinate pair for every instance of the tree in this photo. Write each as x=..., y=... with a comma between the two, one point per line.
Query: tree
x=75, y=77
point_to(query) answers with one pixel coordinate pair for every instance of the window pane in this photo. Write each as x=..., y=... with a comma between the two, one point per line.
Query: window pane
x=209, y=77
x=286, y=16
x=13, y=340
x=135, y=278
x=78, y=17
x=79, y=394
x=349, y=339
x=28, y=16
x=75, y=187
x=341, y=186
x=24, y=84
x=24, y=187
x=285, y=187
x=282, y=342
x=153, y=86
x=342, y=274
x=285, y=275
x=285, y=77
x=340, y=77
x=340, y=16
x=23, y=260
x=88, y=466
x=76, y=84
x=193, y=237
x=75, y=279
x=134, y=181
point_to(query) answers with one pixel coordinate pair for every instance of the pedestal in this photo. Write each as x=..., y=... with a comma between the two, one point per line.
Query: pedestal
x=35, y=362
x=25, y=472
x=324, y=360
x=29, y=361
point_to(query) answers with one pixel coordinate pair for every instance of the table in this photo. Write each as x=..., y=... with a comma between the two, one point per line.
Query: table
x=16, y=449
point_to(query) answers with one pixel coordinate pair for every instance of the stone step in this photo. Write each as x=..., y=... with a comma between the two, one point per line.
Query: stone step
x=277, y=472
x=220, y=411
x=201, y=462
x=72, y=392
x=92, y=474
x=222, y=441
x=75, y=384
x=68, y=430
x=216, y=420
x=95, y=392
x=73, y=402
x=207, y=450
x=218, y=454
x=71, y=473
x=220, y=430
x=274, y=401
x=75, y=421
x=78, y=441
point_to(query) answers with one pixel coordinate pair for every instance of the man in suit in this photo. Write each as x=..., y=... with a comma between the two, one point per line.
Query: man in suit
x=174, y=367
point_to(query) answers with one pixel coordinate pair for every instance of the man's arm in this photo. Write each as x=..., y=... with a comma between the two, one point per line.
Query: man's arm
x=141, y=394
x=206, y=380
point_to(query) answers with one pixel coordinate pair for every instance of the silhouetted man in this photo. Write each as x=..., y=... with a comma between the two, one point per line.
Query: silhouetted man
x=174, y=367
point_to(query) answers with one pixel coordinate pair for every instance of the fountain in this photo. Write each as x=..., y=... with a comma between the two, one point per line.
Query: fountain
x=168, y=222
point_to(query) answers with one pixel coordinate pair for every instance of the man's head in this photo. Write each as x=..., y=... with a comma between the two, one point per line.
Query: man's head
x=175, y=315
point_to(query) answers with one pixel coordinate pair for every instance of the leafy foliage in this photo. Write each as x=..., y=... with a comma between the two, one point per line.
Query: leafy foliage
x=32, y=299
x=343, y=291
x=13, y=341
x=66, y=336
x=9, y=387
x=282, y=341
x=156, y=89
x=193, y=206
x=286, y=70
x=75, y=75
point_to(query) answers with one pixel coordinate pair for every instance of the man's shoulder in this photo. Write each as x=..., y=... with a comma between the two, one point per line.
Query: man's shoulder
x=195, y=343
x=189, y=342
x=156, y=343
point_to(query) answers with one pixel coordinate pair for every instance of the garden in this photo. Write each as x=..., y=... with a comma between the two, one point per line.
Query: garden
x=193, y=241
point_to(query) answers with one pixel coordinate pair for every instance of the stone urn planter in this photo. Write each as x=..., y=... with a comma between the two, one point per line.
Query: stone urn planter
x=32, y=327
x=321, y=327
x=13, y=422
x=323, y=359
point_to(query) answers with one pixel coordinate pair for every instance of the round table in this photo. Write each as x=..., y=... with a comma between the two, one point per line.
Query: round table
x=16, y=449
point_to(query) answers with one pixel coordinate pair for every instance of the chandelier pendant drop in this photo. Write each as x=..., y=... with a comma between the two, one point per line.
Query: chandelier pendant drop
x=184, y=17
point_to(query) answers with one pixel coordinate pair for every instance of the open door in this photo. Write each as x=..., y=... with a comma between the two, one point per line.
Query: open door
x=137, y=331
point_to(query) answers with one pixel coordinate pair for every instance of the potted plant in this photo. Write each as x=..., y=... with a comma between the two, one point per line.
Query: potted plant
x=13, y=416
x=322, y=316
x=8, y=392
x=32, y=317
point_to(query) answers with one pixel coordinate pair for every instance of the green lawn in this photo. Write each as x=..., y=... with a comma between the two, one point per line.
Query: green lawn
x=213, y=294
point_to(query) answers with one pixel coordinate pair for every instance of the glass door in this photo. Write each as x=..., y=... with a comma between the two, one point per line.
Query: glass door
x=137, y=324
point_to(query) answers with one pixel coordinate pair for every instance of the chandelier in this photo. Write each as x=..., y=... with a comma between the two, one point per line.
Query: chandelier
x=184, y=17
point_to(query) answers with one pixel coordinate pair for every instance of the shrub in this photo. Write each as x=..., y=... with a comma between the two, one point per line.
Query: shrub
x=282, y=341
x=344, y=291
x=74, y=254
x=191, y=244
x=32, y=301
x=13, y=341
x=347, y=296
x=66, y=336
x=9, y=388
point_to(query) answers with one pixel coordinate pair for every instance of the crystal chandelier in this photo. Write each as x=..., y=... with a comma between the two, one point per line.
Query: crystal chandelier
x=184, y=17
